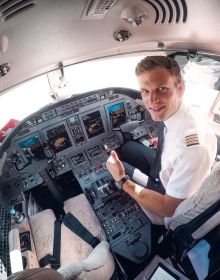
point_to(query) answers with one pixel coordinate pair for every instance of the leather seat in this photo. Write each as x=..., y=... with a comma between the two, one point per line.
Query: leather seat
x=78, y=260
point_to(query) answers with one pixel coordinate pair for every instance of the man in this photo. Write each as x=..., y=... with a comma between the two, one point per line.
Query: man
x=188, y=149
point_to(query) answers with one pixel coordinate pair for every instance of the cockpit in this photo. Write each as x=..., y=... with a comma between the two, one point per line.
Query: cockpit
x=68, y=85
x=69, y=142
x=60, y=152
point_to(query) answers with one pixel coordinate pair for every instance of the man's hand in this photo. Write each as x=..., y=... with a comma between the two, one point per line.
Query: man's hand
x=153, y=142
x=115, y=166
x=164, y=205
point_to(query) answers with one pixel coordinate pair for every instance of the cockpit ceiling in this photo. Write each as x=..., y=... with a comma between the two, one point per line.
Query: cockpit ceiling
x=35, y=35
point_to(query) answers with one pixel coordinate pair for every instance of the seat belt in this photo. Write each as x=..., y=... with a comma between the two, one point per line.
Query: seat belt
x=75, y=226
x=54, y=260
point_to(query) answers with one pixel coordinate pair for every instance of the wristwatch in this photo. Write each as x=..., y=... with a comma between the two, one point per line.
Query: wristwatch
x=119, y=184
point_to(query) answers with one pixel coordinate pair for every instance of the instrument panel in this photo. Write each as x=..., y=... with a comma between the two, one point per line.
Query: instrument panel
x=72, y=135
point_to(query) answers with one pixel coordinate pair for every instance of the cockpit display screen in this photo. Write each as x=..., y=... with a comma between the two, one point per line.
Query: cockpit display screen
x=78, y=158
x=58, y=138
x=93, y=124
x=32, y=148
x=117, y=113
x=30, y=142
x=94, y=151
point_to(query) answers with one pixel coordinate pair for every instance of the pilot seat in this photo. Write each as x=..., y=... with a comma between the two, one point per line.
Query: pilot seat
x=191, y=242
x=78, y=260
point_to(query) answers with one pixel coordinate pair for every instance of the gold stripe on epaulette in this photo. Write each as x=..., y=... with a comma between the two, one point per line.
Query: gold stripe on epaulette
x=193, y=144
x=191, y=140
x=192, y=136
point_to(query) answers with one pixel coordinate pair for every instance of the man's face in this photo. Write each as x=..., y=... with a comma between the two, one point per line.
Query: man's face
x=161, y=93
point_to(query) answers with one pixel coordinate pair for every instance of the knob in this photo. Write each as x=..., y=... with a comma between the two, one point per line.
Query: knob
x=139, y=249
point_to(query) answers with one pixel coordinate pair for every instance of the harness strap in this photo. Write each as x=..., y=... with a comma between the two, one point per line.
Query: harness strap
x=75, y=226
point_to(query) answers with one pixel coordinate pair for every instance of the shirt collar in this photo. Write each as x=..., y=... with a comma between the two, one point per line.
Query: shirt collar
x=172, y=121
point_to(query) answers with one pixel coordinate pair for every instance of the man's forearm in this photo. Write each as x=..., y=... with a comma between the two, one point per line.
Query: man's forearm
x=164, y=205
x=149, y=199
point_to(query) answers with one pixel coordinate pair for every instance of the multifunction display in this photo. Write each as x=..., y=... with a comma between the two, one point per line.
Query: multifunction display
x=31, y=142
x=32, y=148
x=117, y=113
x=58, y=138
x=93, y=124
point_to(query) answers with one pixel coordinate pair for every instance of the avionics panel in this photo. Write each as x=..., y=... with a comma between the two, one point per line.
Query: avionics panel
x=58, y=138
x=78, y=158
x=80, y=162
x=94, y=151
x=117, y=113
x=93, y=124
x=95, y=154
x=32, y=148
x=76, y=130
x=25, y=152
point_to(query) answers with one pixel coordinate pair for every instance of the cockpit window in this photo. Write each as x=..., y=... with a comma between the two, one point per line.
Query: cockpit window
x=38, y=92
x=24, y=99
x=202, y=80
x=201, y=75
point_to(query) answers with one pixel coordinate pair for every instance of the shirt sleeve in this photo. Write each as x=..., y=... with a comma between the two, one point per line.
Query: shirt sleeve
x=189, y=170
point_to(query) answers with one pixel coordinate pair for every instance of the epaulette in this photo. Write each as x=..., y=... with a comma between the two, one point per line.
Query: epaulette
x=192, y=140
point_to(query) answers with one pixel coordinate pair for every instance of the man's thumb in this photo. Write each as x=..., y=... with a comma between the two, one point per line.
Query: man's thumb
x=114, y=155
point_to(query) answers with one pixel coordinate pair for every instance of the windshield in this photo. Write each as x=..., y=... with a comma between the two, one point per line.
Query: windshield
x=201, y=79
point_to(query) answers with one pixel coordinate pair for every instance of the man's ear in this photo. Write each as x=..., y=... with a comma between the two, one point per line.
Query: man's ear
x=181, y=88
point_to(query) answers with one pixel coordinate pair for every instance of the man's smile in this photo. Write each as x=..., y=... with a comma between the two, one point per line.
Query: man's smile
x=157, y=109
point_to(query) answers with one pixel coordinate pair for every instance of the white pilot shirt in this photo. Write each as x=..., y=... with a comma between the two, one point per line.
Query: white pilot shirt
x=189, y=152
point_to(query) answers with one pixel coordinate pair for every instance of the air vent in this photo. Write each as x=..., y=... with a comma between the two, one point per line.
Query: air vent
x=11, y=8
x=169, y=11
x=97, y=9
